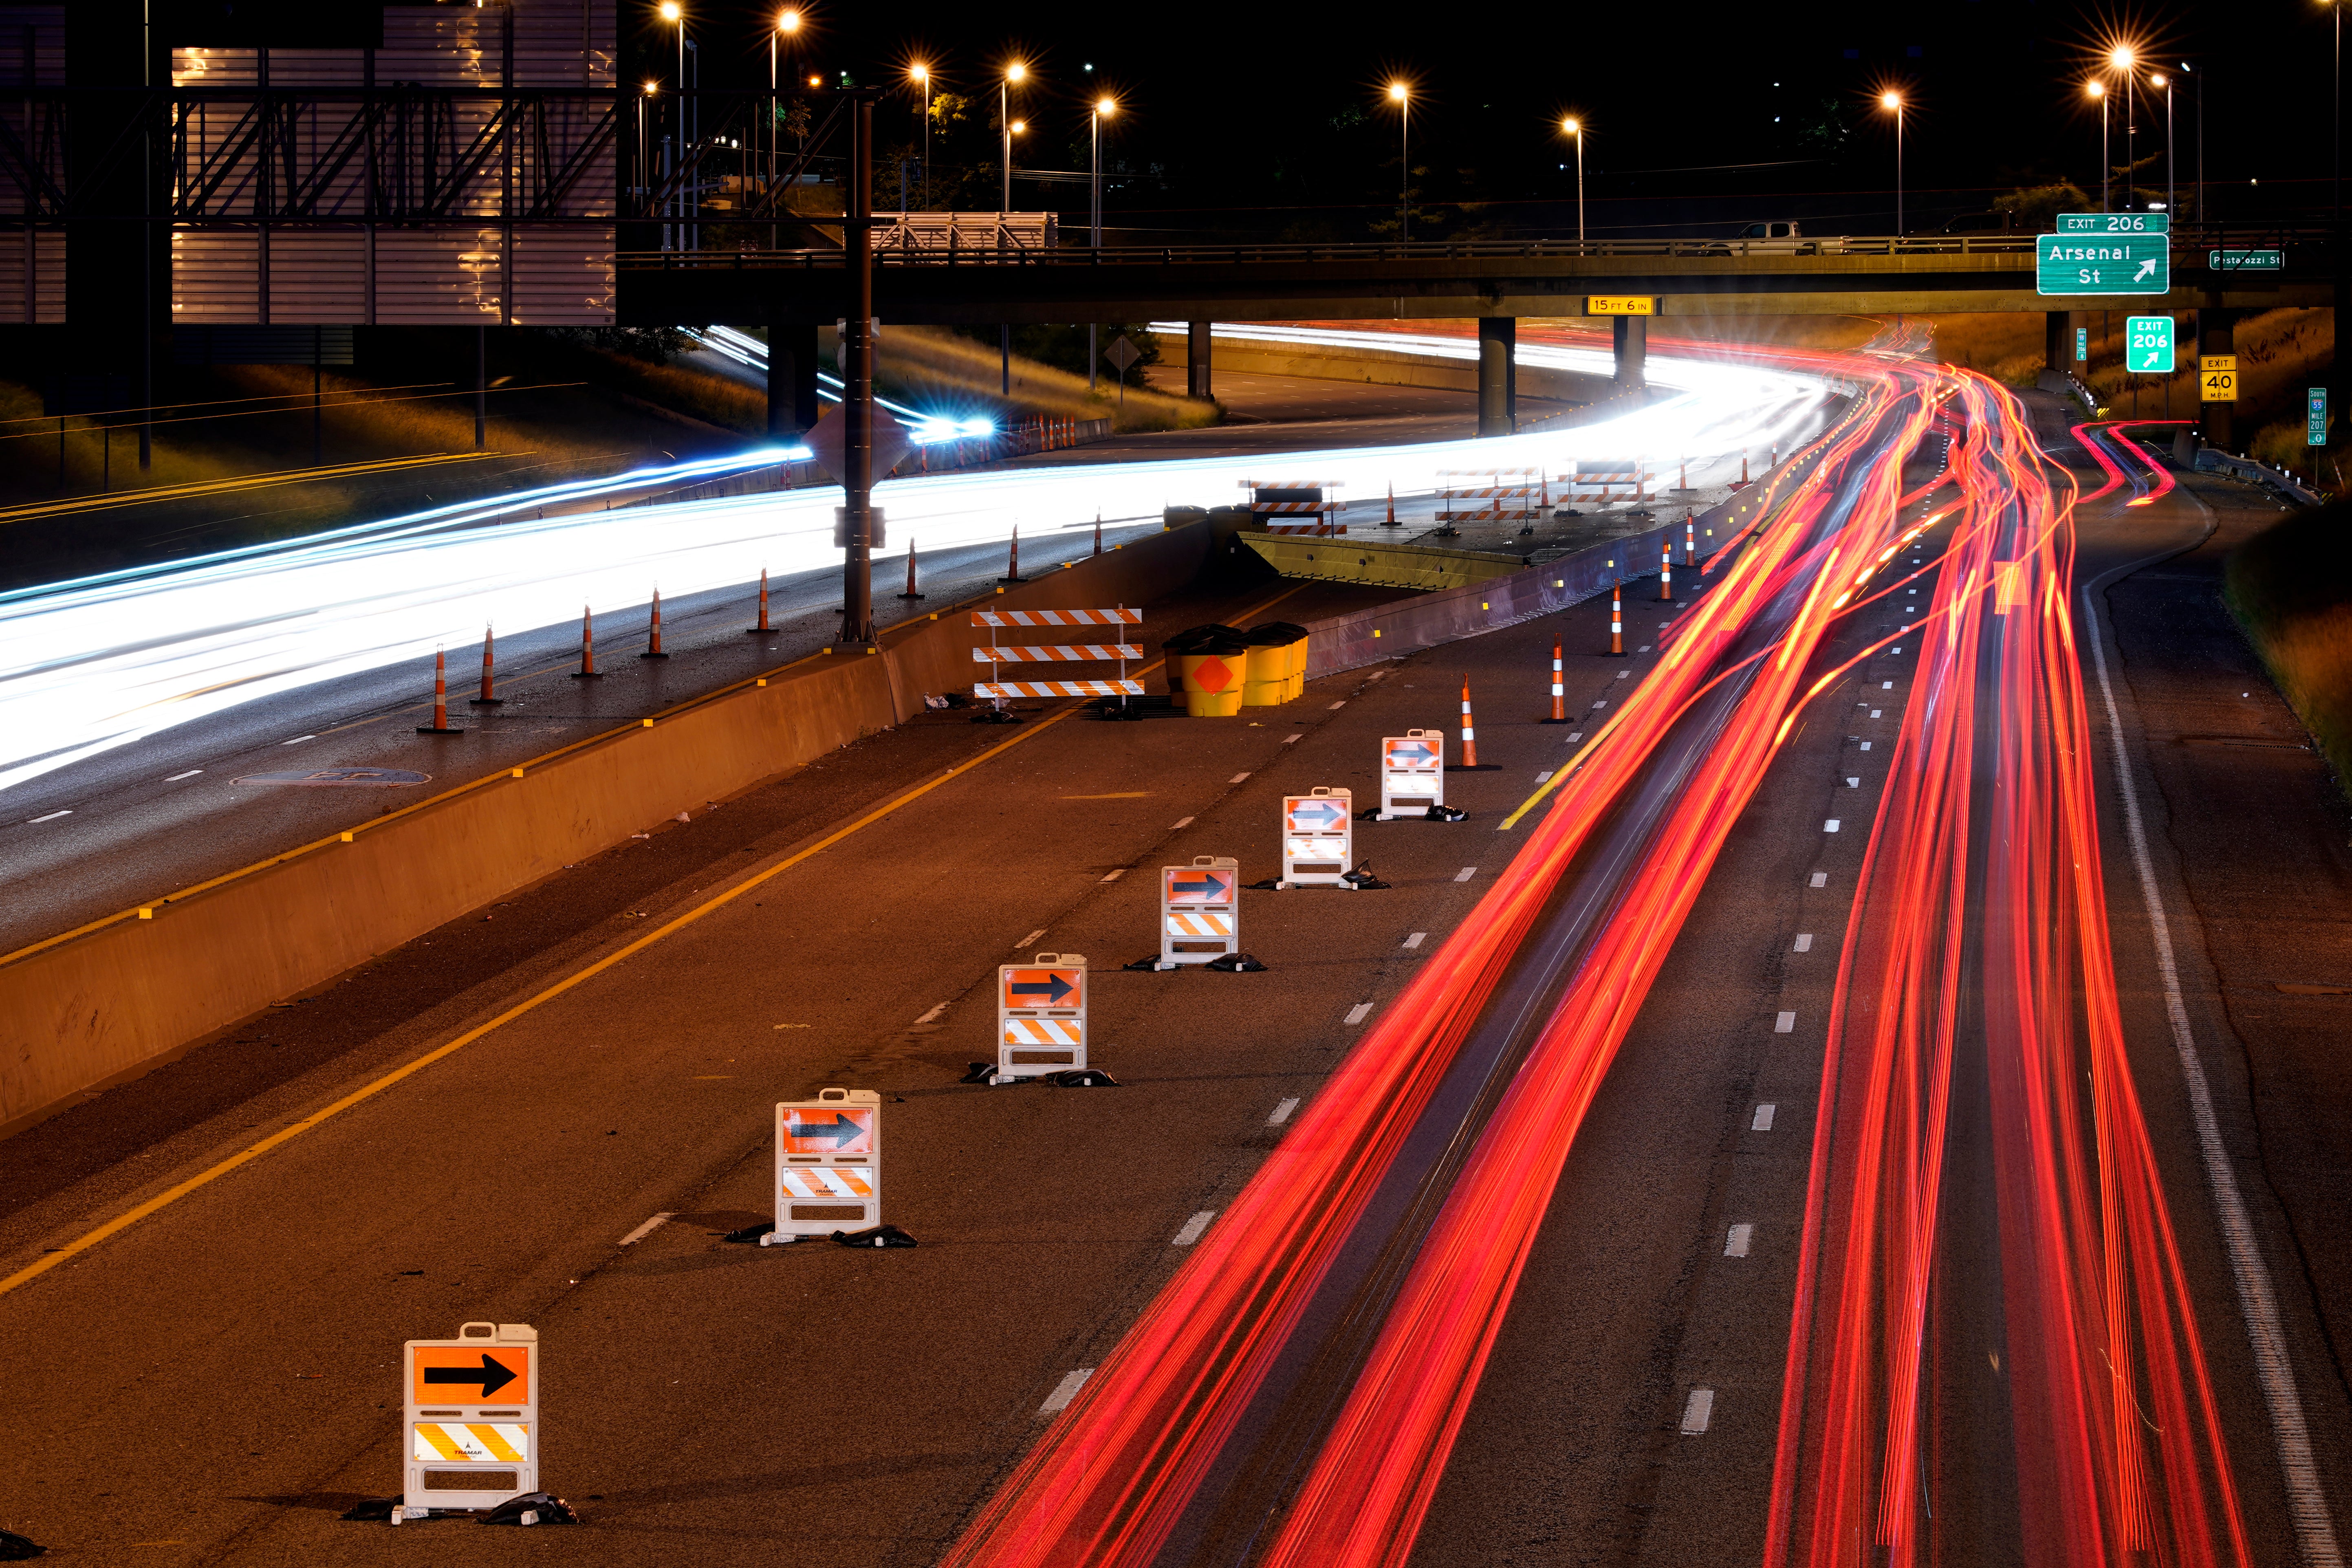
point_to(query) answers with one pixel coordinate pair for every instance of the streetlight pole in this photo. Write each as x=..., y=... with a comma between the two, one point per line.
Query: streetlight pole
x=2125, y=63
x=788, y=21
x=2106, y=176
x=677, y=19
x=1575, y=128
x=923, y=75
x=1015, y=72
x=1402, y=96
x=1894, y=101
x=2171, y=201
x=1104, y=108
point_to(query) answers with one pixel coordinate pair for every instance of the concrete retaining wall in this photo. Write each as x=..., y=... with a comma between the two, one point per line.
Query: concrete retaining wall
x=104, y=1003
x=1381, y=367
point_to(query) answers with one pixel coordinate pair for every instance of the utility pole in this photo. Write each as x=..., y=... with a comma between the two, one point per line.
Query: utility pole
x=858, y=531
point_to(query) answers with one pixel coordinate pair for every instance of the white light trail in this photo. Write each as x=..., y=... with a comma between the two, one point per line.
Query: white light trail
x=99, y=663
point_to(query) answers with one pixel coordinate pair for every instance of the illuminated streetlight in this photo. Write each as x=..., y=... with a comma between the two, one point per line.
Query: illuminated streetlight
x=1894, y=101
x=921, y=74
x=1104, y=109
x=1571, y=126
x=672, y=14
x=1401, y=94
x=1015, y=72
x=788, y=23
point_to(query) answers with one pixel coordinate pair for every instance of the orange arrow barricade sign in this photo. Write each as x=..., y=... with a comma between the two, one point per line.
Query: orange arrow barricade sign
x=1413, y=773
x=1041, y=1016
x=470, y=1411
x=1318, y=838
x=1200, y=910
x=828, y=1164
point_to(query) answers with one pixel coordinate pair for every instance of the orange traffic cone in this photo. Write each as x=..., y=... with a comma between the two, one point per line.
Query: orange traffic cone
x=440, y=725
x=763, y=626
x=1690, y=538
x=1559, y=691
x=1392, y=522
x=1012, y=561
x=910, y=592
x=587, y=670
x=654, y=648
x=1469, y=731
x=1099, y=533
x=1617, y=618
x=1743, y=467
x=486, y=700
x=1665, y=568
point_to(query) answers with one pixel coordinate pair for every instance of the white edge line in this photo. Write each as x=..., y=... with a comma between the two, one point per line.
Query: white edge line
x=1185, y=823
x=1282, y=1112
x=175, y=778
x=2257, y=1297
x=1192, y=1228
x=645, y=1230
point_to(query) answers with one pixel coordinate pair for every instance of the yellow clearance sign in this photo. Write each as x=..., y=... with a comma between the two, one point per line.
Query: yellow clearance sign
x=2217, y=378
x=1621, y=304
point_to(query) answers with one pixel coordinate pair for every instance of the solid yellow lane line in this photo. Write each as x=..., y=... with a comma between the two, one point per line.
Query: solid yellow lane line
x=170, y=1195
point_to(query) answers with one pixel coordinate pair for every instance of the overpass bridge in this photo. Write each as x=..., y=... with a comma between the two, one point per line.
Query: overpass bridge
x=793, y=291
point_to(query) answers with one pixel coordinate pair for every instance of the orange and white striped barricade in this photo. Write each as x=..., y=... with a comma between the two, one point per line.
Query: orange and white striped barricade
x=470, y=1406
x=828, y=1164
x=1605, y=484
x=1318, y=838
x=995, y=653
x=1041, y=1016
x=1489, y=495
x=1200, y=910
x=1413, y=773
x=1296, y=506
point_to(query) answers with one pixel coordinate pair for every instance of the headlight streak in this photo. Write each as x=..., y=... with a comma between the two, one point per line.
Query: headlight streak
x=76, y=679
x=1982, y=889
x=1108, y=1480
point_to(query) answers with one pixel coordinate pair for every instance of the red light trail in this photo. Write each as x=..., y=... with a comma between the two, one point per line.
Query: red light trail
x=1979, y=938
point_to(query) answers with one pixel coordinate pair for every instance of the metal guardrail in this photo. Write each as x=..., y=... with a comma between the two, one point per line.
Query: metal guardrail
x=2212, y=460
x=2186, y=242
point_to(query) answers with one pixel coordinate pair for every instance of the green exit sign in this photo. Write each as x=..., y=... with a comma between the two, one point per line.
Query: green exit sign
x=2148, y=345
x=2115, y=223
x=2247, y=261
x=2118, y=263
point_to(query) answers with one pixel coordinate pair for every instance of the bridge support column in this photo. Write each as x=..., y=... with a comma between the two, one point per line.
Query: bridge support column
x=2058, y=342
x=1197, y=360
x=2216, y=334
x=1498, y=376
x=1633, y=336
x=791, y=380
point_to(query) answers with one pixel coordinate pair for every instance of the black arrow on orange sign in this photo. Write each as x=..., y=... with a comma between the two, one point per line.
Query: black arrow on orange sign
x=491, y=1374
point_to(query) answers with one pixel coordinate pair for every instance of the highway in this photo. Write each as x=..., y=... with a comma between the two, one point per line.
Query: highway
x=1504, y=1222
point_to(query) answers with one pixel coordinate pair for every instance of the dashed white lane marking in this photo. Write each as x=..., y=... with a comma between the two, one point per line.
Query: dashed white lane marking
x=1415, y=939
x=1697, y=1411
x=1465, y=874
x=1886, y=685
x=1874, y=713
x=51, y=817
x=1784, y=1024
x=643, y=1230
x=1117, y=872
x=1065, y=1391
x=1237, y=778
x=1865, y=745
x=1575, y=736
x=1820, y=879
x=1735, y=1244
x=175, y=778
x=1898, y=649
x=1601, y=705
x=297, y=739
x=1337, y=706
x=1804, y=942
x=1830, y=826
x=1544, y=777
x=1282, y=1112
x=1024, y=941
x=1762, y=1121
x=1192, y=1228
x=943, y=1007
x=1644, y=648
x=2257, y=1296
x=1625, y=674
x=1186, y=822
x=1853, y=783
x=1286, y=740
x=1360, y=1012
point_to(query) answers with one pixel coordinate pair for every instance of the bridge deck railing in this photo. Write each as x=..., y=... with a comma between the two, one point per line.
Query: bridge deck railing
x=2186, y=242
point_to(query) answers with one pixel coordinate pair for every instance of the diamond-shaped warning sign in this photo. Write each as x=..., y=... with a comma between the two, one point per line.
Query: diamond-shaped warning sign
x=1214, y=673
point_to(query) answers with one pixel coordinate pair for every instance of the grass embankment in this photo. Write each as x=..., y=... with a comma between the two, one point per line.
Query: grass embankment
x=2290, y=587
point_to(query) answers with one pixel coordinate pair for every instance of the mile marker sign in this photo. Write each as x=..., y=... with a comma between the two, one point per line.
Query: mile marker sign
x=2149, y=345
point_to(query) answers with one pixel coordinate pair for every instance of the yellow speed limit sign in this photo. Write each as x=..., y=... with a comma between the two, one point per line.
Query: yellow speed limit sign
x=1621, y=304
x=2217, y=378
